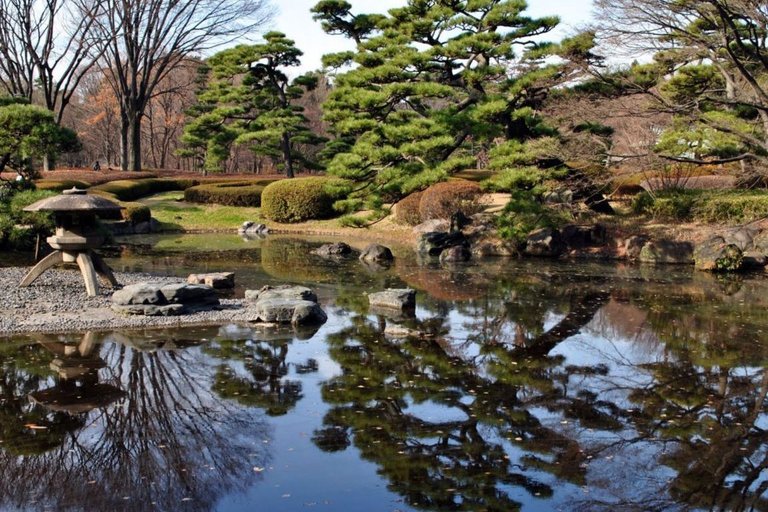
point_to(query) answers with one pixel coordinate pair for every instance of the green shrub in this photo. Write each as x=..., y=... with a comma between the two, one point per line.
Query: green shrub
x=6, y=224
x=668, y=205
x=731, y=207
x=442, y=200
x=642, y=203
x=300, y=199
x=407, y=210
x=232, y=193
x=130, y=190
x=59, y=185
x=136, y=213
x=41, y=221
x=19, y=228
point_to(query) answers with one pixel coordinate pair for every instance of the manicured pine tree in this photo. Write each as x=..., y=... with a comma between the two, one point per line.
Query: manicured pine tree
x=433, y=85
x=250, y=100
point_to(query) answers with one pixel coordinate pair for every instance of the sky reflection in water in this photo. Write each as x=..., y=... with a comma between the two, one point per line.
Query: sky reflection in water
x=532, y=385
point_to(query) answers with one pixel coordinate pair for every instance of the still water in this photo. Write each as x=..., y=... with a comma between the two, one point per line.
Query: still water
x=525, y=385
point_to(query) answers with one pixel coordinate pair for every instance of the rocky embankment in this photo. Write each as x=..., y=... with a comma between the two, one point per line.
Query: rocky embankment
x=57, y=302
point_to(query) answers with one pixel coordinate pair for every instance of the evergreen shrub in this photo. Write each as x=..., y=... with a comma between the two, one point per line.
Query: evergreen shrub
x=300, y=199
x=232, y=193
x=17, y=227
x=733, y=207
x=130, y=190
x=407, y=210
x=442, y=200
x=136, y=213
x=60, y=185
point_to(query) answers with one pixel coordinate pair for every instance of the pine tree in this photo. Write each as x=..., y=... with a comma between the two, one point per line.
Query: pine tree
x=433, y=85
x=249, y=100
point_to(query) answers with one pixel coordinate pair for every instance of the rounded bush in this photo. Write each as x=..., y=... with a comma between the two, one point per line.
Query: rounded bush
x=442, y=200
x=136, y=213
x=300, y=199
x=407, y=210
x=232, y=193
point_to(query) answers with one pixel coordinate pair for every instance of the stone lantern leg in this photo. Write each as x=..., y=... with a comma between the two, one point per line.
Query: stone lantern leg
x=74, y=214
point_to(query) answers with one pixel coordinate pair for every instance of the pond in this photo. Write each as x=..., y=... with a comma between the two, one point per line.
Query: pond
x=525, y=385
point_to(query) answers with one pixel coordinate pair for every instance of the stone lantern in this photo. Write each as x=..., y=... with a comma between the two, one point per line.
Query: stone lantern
x=74, y=214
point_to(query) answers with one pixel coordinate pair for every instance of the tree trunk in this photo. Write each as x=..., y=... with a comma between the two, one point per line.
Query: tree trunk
x=49, y=163
x=124, y=146
x=134, y=133
x=287, y=157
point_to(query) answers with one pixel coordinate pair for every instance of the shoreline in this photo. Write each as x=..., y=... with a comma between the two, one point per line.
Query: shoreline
x=56, y=303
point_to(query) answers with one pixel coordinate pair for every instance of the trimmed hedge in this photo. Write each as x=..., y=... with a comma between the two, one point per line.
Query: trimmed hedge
x=60, y=185
x=231, y=193
x=300, y=199
x=442, y=200
x=130, y=190
x=136, y=213
x=407, y=210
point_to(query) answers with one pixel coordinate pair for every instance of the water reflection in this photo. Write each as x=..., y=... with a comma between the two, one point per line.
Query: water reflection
x=167, y=443
x=517, y=385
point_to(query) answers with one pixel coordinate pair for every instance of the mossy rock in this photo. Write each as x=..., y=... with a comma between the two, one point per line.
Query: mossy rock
x=715, y=255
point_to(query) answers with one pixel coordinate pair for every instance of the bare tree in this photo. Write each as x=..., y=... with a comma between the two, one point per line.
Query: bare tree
x=46, y=48
x=143, y=40
x=710, y=55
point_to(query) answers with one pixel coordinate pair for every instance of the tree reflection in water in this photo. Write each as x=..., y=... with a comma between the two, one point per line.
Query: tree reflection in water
x=168, y=444
x=463, y=420
x=253, y=370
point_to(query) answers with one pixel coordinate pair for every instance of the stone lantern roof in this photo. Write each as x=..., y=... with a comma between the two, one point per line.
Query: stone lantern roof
x=74, y=200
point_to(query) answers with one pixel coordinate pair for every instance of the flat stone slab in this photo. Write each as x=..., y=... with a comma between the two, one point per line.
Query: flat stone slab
x=393, y=298
x=217, y=280
x=292, y=311
x=150, y=309
x=281, y=292
x=164, y=299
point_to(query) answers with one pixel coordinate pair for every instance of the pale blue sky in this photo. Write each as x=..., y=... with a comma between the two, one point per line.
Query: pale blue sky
x=295, y=20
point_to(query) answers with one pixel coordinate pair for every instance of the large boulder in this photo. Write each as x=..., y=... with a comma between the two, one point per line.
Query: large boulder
x=286, y=304
x=667, y=251
x=760, y=242
x=577, y=236
x=139, y=294
x=164, y=299
x=252, y=228
x=433, y=226
x=333, y=250
x=634, y=245
x=742, y=237
x=288, y=311
x=754, y=260
x=455, y=254
x=285, y=291
x=399, y=299
x=376, y=253
x=492, y=248
x=546, y=242
x=434, y=243
x=716, y=255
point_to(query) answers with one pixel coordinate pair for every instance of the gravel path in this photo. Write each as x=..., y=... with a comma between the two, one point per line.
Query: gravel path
x=57, y=302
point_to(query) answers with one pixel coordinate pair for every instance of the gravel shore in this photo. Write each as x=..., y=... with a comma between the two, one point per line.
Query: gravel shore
x=57, y=302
